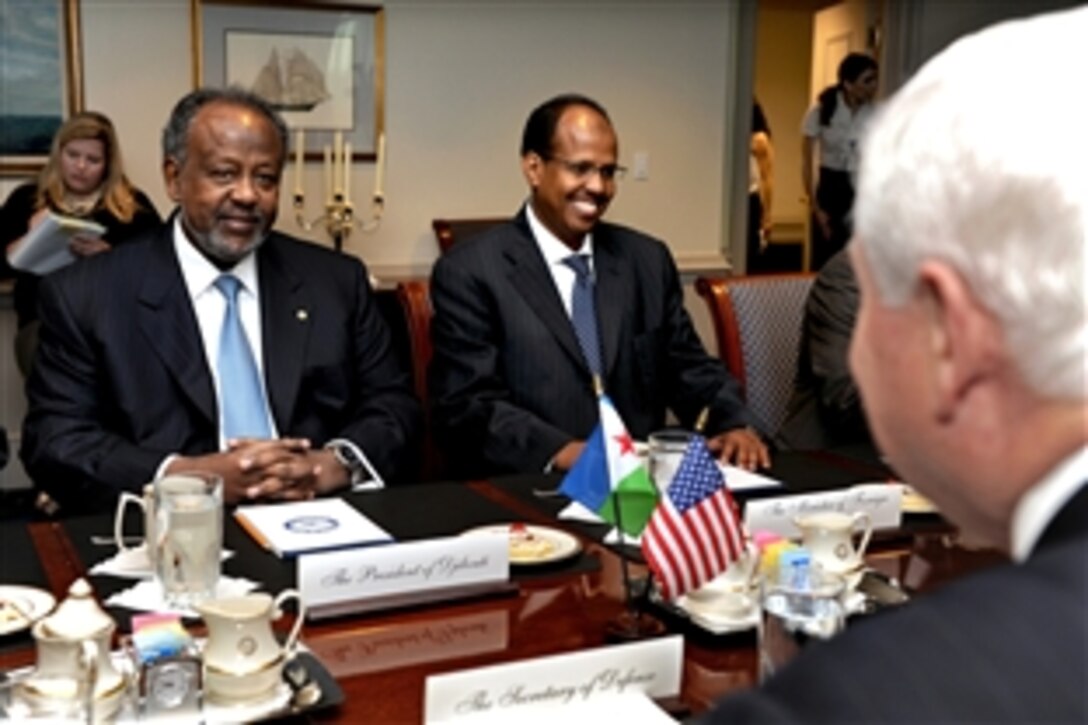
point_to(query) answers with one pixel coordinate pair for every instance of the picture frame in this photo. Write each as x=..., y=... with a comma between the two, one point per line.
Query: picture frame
x=322, y=65
x=41, y=80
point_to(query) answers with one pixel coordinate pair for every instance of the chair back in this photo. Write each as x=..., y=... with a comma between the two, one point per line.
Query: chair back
x=757, y=323
x=415, y=299
x=451, y=231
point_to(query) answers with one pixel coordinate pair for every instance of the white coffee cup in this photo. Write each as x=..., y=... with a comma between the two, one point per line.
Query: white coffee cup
x=146, y=503
x=829, y=537
x=731, y=594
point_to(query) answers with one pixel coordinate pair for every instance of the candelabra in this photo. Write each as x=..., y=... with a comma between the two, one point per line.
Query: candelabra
x=338, y=217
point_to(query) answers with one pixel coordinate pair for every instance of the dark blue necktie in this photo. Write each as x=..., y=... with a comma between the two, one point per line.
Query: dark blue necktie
x=583, y=311
x=241, y=394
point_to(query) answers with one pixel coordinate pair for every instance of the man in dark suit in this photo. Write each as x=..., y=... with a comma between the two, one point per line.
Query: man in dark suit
x=970, y=352
x=513, y=370
x=825, y=409
x=138, y=371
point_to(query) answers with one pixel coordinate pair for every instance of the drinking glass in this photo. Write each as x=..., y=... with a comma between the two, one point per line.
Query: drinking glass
x=667, y=447
x=796, y=611
x=189, y=530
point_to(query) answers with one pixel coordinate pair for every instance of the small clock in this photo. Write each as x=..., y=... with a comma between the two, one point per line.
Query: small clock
x=171, y=685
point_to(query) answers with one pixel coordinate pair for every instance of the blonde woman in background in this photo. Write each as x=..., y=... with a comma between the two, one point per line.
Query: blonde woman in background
x=760, y=188
x=82, y=178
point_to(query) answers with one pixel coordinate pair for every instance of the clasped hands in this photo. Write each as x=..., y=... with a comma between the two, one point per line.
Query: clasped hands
x=283, y=469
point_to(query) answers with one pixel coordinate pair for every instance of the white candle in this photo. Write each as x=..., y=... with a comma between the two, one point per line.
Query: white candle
x=328, y=174
x=379, y=171
x=347, y=170
x=338, y=160
x=300, y=145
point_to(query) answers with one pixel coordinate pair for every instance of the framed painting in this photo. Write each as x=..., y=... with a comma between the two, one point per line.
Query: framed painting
x=321, y=65
x=41, y=80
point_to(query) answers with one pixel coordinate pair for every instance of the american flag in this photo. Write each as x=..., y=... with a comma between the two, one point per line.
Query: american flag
x=695, y=531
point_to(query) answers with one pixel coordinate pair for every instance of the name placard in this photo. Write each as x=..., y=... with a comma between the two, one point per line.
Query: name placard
x=357, y=580
x=653, y=667
x=881, y=501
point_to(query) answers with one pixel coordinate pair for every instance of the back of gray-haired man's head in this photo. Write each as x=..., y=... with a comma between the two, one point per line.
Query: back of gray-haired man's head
x=955, y=169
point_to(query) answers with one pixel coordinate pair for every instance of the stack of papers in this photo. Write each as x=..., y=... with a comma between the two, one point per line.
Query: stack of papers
x=44, y=249
x=308, y=526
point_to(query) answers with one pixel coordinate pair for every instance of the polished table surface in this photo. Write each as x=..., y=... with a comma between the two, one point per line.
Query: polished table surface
x=382, y=659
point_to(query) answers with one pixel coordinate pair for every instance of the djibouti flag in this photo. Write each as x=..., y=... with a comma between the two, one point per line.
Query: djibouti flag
x=609, y=472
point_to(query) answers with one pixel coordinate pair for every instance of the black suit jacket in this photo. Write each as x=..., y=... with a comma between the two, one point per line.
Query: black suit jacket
x=121, y=378
x=1006, y=645
x=508, y=381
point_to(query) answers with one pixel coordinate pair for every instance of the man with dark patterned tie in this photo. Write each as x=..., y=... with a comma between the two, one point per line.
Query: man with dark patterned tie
x=217, y=344
x=532, y=314
x=971, y=354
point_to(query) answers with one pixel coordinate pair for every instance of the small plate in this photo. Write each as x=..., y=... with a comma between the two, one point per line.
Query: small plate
x=21, y=607
x=915, y=503
x=532, y=545
x=275, y=704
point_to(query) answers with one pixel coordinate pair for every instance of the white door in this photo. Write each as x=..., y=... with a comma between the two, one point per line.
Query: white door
x=836, y=31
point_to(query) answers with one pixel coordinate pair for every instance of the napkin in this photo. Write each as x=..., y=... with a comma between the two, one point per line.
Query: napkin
x=739, y=479
x=577, y=512
x=133, y=564
x=146, y=596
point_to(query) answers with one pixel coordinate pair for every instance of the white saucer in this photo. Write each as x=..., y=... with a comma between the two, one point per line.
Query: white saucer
x=21, y=606
x=716, y=622
x=215, y=712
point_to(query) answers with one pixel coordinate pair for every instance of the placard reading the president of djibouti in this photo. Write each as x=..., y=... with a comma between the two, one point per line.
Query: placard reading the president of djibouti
x=374, y=573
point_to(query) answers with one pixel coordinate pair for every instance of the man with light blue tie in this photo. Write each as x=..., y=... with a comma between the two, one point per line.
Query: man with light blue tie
x=217, y=344
x=535, y=313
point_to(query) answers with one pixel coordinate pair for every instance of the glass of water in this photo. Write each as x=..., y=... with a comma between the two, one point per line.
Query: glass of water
x=667, y=448
x=797, y=610
x=189, y=533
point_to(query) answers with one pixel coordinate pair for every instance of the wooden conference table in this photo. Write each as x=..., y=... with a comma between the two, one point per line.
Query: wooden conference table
x=381, y=660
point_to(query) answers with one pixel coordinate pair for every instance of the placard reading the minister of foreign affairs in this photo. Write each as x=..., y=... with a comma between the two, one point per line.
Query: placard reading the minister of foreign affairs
x=880, y=500
x=372, y=573
x=653, y=667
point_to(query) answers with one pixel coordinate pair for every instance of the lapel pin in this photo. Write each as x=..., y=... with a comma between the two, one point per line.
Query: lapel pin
x=301, y=315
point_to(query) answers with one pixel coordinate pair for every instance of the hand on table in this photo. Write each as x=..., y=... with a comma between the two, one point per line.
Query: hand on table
x=741, y=447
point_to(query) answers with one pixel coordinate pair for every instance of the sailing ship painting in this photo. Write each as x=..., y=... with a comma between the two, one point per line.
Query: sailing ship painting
x=320, y=81
x=296, y=84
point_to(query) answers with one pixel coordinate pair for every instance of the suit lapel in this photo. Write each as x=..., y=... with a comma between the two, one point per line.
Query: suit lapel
x=611, y=292
x=531, y=277
x=1070, y=522
x=285, y=312
x=165, y=317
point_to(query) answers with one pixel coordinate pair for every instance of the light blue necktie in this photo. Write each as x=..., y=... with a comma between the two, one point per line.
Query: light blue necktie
x=583, y=311
x=241, y=393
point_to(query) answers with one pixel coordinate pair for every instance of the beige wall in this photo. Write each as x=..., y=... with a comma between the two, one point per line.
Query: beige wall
x=461, y=77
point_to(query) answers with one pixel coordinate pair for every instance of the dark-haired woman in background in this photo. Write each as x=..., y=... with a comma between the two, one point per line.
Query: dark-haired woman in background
x=832, y=128
x=83, y=178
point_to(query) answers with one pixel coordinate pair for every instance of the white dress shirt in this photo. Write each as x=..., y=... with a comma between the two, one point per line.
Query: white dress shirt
x=209, y=305
x=555, y=252
x=1038, y=507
